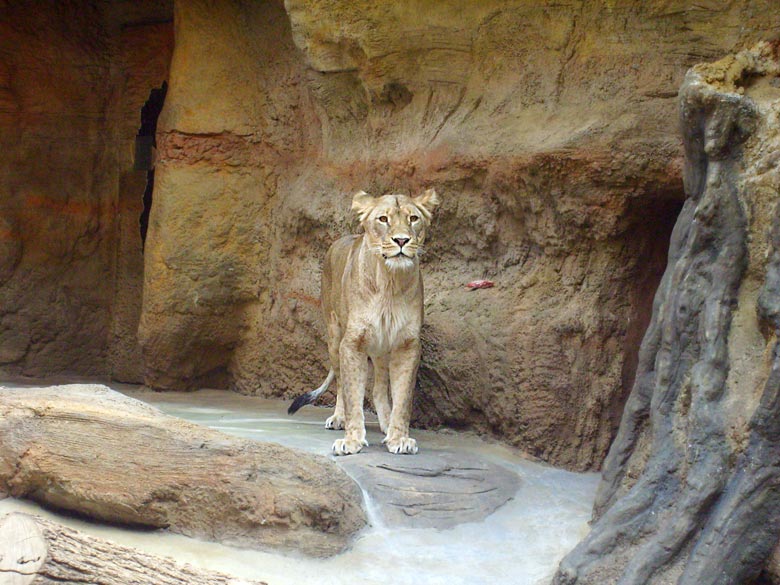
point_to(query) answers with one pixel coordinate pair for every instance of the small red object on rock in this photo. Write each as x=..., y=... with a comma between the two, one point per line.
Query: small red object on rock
x=475, y=284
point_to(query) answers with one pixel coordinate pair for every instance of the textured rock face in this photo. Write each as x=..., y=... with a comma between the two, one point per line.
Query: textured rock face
x=691, y=486
x=90, y=450
x=234, y=119
x=73, y=78
x=548, y=128
x=550, y=132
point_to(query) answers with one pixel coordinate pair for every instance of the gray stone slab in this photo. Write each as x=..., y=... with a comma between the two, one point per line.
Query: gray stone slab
x=433, y=489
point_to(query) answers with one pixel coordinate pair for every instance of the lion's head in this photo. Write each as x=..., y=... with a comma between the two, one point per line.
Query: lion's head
x=395, y=225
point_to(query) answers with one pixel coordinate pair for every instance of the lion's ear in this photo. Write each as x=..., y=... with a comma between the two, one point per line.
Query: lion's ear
x=427, y=202
x=362, y=204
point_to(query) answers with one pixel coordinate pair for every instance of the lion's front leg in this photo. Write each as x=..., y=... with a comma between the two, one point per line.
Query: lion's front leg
x=403, y=373
x=354, y=373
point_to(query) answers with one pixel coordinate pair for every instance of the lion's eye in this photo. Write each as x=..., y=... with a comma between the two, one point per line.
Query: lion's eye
x=382, y=218
x=413, y=218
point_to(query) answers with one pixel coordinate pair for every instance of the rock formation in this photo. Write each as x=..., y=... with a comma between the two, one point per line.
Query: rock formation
x=92, y=451
x=73, y=78
x=441, y=487
x=691, y=487
x=547, y=127
x=557, y=160
x=38, y=552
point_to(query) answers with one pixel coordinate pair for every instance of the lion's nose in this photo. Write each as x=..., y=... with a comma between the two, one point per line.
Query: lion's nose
x=400, y=241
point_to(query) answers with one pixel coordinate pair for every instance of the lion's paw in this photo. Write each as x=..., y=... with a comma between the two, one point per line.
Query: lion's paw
x=401, y=446
x=334, y=423
x=348, y=446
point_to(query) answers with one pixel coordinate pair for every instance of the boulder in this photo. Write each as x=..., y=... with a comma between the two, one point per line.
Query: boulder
x=440, y=487
x=89, y=450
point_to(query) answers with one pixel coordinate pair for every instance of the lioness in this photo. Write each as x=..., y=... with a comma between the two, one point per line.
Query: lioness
x=372, y=302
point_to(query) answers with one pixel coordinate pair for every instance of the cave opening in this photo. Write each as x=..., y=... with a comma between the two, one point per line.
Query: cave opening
x=145, y=144
x=652, y=229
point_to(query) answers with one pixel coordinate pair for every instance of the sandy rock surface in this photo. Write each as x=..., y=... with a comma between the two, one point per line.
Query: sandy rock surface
x=89, y=450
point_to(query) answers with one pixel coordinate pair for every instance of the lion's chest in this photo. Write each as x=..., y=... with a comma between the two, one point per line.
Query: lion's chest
x=390, y=323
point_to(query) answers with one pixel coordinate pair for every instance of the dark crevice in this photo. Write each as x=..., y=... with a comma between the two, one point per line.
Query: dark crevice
x=653, y=227
x=145, y=143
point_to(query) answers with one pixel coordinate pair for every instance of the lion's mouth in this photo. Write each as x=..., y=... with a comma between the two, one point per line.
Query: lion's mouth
x=399, y=260
x=399, y=254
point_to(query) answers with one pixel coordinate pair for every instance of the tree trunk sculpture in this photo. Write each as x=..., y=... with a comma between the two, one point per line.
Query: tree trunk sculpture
x=689, y=493
x=34, y=551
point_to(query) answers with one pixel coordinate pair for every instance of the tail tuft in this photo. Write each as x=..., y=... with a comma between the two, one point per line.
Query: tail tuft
x=302, y=401
x=310, y=397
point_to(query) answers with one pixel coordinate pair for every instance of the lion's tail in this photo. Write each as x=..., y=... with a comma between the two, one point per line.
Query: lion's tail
x=310, y=397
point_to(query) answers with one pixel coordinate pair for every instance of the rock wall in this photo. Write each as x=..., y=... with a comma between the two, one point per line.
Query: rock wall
x=73, y=78
x=549, y=129
x=144, y=59
x=550, y=132
x=236, y=128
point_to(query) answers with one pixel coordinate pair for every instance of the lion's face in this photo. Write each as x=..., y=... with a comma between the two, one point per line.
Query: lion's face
x=395, y=225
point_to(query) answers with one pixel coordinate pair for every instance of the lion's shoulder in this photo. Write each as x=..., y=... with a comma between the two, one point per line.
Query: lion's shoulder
x=339, y=252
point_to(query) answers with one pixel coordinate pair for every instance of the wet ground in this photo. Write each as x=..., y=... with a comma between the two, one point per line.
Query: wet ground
x=521, y=541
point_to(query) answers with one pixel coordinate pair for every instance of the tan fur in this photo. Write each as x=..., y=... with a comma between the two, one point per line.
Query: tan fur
x=372, y=301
